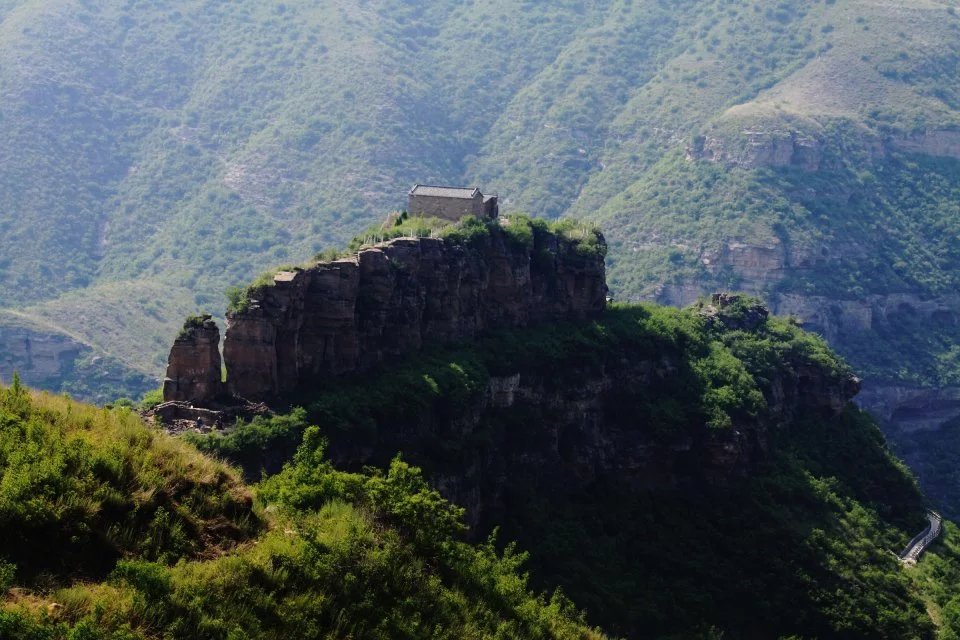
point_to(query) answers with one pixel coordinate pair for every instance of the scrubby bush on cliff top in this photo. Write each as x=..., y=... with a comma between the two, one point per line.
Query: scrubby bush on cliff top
x=519, y=228
x=89, y=494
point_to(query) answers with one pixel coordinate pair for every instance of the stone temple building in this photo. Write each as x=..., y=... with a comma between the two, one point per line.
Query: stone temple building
x=450, y=203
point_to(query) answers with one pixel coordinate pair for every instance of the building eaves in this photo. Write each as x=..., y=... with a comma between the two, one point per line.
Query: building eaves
x=444, y=192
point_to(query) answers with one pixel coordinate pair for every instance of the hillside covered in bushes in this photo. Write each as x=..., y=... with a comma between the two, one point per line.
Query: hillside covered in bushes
x=725, y=483
x=110, y=529
x=663, y=473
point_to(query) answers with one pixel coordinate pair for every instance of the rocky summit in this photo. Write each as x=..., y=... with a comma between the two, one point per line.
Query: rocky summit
x=350, y=314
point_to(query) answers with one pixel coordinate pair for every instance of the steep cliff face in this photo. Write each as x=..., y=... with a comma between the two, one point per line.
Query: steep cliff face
x=754, y=146
x=761, y=148
x=193, y=371
x=351, y=314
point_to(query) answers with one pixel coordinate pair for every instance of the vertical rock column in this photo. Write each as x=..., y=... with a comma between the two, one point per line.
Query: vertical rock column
x=193, y=370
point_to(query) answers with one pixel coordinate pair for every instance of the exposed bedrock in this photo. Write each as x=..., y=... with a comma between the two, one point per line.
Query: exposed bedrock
x=351, y=314
x=758, y=146
x=49, y=359
x=42, y=359
x=194, y=368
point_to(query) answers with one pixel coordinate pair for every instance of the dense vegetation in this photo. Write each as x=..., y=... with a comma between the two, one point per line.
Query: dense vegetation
x=803, y=547
x=112, y=530
x=82, y=487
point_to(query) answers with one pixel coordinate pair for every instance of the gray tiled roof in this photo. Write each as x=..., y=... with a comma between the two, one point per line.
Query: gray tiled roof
x=443, y=192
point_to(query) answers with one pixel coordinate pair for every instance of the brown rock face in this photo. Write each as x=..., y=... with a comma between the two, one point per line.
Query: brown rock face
x=193, y=370
x=349, y=315
x=761, y=148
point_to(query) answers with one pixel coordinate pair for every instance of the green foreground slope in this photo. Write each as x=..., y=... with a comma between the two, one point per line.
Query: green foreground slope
x=112, y=530
x=802, y=544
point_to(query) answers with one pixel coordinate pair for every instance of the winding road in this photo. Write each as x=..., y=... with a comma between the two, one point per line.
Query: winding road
x=923, y=540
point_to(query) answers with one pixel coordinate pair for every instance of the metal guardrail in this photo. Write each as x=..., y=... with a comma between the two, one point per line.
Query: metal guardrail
x=923, y=540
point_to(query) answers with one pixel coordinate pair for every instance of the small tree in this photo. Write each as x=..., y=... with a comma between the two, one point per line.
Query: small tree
x=16, y=399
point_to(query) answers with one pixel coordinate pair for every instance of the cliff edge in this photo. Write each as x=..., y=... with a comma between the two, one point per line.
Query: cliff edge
x=350, y=314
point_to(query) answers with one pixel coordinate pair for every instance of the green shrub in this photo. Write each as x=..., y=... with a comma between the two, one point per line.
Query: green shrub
x=8, y=573
x=151, y=399
x=192, y=322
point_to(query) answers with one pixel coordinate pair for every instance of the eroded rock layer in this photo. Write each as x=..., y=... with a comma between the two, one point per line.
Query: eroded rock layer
x=351, y=314
x=194, y=368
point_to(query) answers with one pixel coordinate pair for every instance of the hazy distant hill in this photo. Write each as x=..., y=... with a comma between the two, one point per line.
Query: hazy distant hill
x=153, y=153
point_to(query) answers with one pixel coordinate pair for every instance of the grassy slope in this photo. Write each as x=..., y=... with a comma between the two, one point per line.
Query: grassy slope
x=95, y=485
x=938, y=569
x=112, y=530
x=806, y=541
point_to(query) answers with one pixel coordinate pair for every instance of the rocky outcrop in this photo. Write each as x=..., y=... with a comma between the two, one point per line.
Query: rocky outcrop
x=41, y=359
x=757, y=147
x=179, y=416
x=564, y=431
x=734, y=311
x=757, y=267
x=941, y=143
x=194, y=368
x=351, y=314
x=53, y=361
x=760, y=148
x=911, y=408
